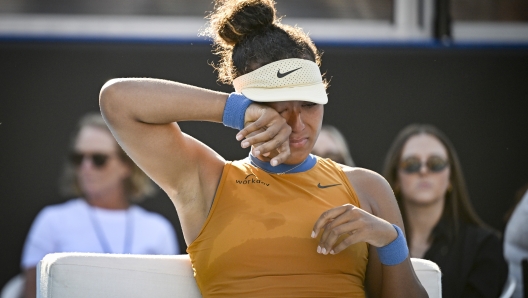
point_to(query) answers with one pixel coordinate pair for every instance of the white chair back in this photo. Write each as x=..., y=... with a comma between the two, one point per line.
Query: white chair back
x=87, y=275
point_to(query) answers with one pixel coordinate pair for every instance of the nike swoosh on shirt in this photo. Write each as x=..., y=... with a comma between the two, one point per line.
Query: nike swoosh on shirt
x=282, y=75
x=326, y=186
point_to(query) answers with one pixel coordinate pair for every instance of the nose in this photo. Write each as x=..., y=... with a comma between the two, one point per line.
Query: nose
x=295, y=120
x=423, y=168
x=86, y=164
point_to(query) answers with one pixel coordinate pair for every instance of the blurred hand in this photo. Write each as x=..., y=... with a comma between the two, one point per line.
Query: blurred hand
x=358, y=224
x=267, y=131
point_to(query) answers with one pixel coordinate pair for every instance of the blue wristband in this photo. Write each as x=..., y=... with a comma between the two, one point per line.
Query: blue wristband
x=395, y=252
x=235, y=110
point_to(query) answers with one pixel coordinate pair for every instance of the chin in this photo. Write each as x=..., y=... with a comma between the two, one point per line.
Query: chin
x=423, y=200
x=297, y=157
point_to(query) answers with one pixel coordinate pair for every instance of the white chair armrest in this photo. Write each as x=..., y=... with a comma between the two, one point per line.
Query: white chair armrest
x=429, y=275
x=115, y=275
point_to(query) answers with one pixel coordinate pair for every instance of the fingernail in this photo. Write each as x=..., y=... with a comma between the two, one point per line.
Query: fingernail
x=313, y=234
x=324, y=251
x=239, y=137
x=257, y=153
x=245, y=144
x=266, y=154
x=332, y=252
x=318, y=249
x=274, y=163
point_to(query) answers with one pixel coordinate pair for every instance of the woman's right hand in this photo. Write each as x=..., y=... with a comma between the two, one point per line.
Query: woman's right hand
x=267, y=131
x=358, y=224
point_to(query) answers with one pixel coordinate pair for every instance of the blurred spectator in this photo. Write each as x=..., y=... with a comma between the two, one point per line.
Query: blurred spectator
x=332, y=144
x=516, y=242
x=102, y=217
x=423, y=169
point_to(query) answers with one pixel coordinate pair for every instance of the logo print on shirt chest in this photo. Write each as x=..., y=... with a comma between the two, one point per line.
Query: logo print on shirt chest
x=251, y=179
x=327, y=186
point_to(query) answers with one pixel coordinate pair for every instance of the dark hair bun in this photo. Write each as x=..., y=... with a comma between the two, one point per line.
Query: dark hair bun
x=233, y=20
x=247, y=35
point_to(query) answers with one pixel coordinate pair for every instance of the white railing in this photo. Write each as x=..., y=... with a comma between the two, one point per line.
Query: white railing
x=412, y=22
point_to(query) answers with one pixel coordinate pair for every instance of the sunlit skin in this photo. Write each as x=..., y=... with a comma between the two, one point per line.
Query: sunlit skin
x=423, y=192
x=102, y=187
x=326, y=145
x=305, y=120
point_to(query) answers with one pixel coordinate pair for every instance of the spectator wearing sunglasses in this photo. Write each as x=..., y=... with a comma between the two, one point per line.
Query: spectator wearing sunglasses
x=332, y=144
x=102, y=218
x=423, y=169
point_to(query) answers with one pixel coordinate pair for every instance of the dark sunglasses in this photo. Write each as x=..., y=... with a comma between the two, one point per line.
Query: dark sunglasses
x=98, y=159
x=434, y=164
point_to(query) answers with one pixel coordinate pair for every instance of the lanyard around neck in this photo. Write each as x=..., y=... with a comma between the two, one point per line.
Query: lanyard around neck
x=105, y=245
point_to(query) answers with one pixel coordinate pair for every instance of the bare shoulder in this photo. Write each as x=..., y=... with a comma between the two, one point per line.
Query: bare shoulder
x=362, y=175
x=374, y=192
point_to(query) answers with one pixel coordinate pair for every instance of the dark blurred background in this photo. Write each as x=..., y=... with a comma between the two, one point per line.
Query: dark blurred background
x=464, y=10
x=477, y=93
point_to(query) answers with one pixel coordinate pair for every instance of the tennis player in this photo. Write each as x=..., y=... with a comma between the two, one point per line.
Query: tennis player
x=281, y=222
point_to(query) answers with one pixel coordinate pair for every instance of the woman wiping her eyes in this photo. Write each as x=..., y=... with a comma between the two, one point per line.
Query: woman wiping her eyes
x=423, y=169
x=281, y=222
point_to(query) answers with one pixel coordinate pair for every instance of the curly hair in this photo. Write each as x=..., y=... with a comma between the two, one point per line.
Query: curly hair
x=247, y=35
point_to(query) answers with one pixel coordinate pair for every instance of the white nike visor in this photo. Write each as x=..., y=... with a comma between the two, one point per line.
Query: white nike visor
x=284, y=80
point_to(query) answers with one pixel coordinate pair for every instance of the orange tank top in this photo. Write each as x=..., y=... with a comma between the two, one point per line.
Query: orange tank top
x=256, y=240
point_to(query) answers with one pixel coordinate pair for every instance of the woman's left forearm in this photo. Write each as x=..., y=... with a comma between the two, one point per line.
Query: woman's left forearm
x=401, y=281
